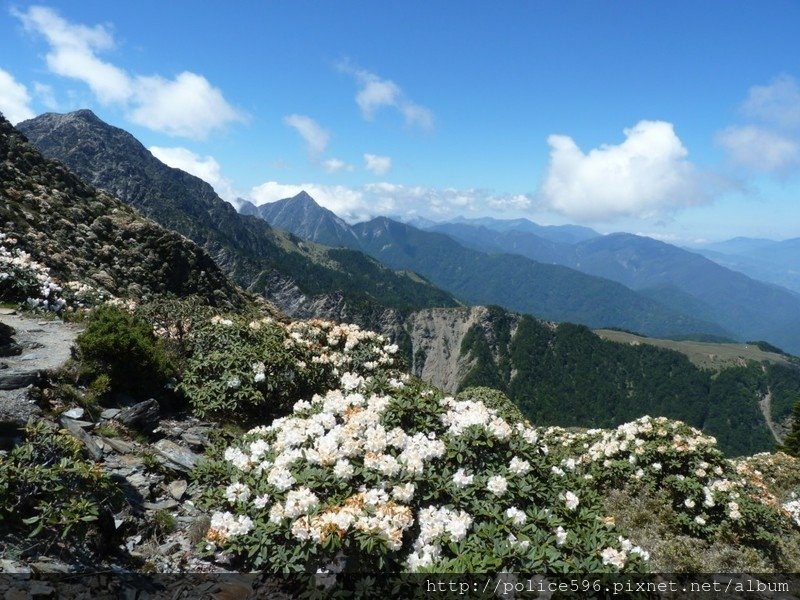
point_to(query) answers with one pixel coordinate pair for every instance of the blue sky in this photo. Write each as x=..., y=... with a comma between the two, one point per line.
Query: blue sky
x=679, y=120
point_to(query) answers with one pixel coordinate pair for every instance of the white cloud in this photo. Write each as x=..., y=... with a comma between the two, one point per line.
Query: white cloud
x=45, y=94
x=316, y=138
x=644, y=175
x=379, y=165
x=334, y=165
x=375, y=93
x=777, y=103
x=72, y=53
x=187, y=106
x=14, y=99
x=204, y=167
x=760, y=149
x=383, y=198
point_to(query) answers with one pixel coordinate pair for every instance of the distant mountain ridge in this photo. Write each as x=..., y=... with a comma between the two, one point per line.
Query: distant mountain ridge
x=550, y=292
x=341, y=283
x=777, y=262
x=680, y=279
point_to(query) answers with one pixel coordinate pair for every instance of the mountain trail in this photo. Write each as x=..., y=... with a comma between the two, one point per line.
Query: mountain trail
x=43, y=346
x=765, y=404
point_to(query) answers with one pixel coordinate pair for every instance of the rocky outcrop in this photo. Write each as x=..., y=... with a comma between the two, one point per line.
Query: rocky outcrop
x=436, y=341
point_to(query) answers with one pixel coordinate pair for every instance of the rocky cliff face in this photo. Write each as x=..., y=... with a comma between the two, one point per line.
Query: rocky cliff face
x=437, y=342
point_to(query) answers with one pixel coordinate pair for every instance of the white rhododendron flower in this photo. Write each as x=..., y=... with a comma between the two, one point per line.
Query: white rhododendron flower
x=497, y=485
x=571, y=500
x=561, y=536
x=517, y=516
x=461, y=479
x=237, y=492
x=615, y=558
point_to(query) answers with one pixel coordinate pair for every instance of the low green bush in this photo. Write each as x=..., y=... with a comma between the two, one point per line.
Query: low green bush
x=119, y=352
x=50, y=493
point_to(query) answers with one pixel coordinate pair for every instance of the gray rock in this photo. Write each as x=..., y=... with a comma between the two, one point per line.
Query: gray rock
x=174, y=456
x=143, y=416
x=118, y=445
x=74, y=413
x=109, y=413
x=168, y=548
x=10, y=566
x=177, y=488
x=76, y=431
x=194, y=440
x=163, y=505
x=16, y=408
x=13, y=379
x=7, y=311
x=41, y=589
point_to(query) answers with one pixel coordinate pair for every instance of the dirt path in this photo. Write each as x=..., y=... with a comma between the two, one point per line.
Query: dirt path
x=766, y=409
x=46, y=345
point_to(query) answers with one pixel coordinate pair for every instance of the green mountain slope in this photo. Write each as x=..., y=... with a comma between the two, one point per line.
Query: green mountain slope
x=682, y=280
x=551, y=292
x=547, y=291
x=567, y=375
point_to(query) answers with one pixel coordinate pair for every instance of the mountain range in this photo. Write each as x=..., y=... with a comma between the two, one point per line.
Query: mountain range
x=302, y=277
x=777, y=262
x=630, y=281
x=85, y=235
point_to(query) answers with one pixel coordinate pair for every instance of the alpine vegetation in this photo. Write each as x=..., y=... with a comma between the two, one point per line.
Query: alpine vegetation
x=377, y=471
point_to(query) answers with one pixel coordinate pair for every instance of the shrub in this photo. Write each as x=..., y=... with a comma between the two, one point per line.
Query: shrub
x=48, y=492
x=257, y=369
x=25, y=280
x=387, y=476
x=710, y=497
x=121, y=350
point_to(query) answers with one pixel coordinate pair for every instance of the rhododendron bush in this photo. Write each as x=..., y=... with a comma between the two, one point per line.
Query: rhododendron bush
x=243, y=368
x=384, y=474
x=27, y=281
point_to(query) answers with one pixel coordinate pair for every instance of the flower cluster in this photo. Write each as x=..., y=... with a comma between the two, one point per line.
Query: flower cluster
x=23, y=279
x=400, y=477
x=706, y=489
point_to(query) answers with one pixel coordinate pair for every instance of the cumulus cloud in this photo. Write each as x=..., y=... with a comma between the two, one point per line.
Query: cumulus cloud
x=334, y=165
x=73, y=53
x=315, y=137
x=777, y=103
x=644, y=175
x=15, y=102
x=760, y=149
x=379, y=165
x=375, y=93
x=187, y=106
x=204, y=167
